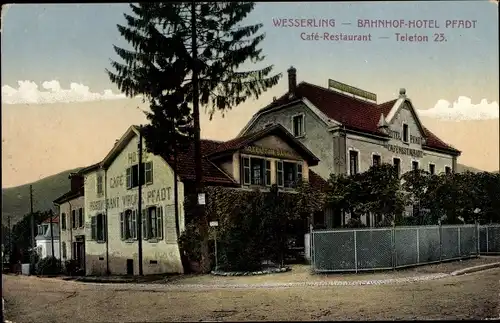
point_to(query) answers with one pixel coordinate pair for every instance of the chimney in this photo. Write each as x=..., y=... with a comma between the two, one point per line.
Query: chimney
x=292, y=80
x=76, y=182
x=402, y=93
x=116, y=141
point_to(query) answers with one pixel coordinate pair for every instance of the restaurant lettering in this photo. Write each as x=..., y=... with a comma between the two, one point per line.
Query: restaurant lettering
x=405, y=151
x=130, y=200
x=274, y=152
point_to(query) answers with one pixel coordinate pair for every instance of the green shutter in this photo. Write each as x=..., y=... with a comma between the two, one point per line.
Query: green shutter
x=93, y=234
x=122, y=226
x=104, y=227
x=134, y=224
x=145, y=232
x=159, y=221
x=129, y=177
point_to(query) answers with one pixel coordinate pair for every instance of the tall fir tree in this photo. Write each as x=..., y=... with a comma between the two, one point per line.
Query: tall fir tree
x=195, y=51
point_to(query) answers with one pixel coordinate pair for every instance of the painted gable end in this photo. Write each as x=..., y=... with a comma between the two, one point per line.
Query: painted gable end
x=317, y=138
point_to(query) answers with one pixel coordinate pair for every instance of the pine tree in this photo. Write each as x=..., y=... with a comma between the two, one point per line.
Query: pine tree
x=193, y=50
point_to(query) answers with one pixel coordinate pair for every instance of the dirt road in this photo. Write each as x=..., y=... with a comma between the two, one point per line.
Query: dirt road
x=474, y=296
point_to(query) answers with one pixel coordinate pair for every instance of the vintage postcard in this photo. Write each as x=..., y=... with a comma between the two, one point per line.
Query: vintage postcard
x=246, y=161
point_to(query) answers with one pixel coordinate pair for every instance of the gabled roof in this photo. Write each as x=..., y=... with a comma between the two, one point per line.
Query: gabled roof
x=351, y=112
x=68, y=196
x=278, y=130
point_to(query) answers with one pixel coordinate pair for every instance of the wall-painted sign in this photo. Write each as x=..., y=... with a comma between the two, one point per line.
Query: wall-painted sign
x=352, y=90
x=413, y=139
x=405, y=151
x=133, y=156
x=273, y=152
x=116, y=181
x=151, y=196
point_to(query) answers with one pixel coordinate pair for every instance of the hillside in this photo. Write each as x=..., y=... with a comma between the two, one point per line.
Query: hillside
x=16, y=200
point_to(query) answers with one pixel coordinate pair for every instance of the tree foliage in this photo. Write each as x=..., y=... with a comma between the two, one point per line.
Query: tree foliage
x=164, y=55
x=254, y=225
x=447, y=198
x=21, y=236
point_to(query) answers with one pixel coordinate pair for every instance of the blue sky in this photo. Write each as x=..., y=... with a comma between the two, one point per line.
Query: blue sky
x=62, y=50
x=73, y=43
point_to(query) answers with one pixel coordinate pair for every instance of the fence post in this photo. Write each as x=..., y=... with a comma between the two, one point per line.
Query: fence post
x=487, y=239
x=459, y=240
x=394, y=260
x=355, y=252
x=478, y=235
x=312, y=254
x=440, y=242
x=418, y=245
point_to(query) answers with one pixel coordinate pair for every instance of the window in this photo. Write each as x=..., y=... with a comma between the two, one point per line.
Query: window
x=132, y=175
x=279, y=173
x=40, y=230
x=376, y=160
x=148, y=172
x=447, y=170
x=152, y=223
x=128, y=221
x=298, y=125
x=292, y=174
x=100, y=190
x=414, y=165
x=63, y=221
x=353, y=162
x=405, y=132
x=80, y=217
x=432, y=169
x=73, y=219
x=257, y=174
x=397, y=165
x=63, y=247
x=98, y=227
x=256, y=171
x=268, y=173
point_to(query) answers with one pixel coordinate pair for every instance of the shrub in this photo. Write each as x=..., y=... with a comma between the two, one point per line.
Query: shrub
x=71, y=267
x=48, y=266
x=190, y=242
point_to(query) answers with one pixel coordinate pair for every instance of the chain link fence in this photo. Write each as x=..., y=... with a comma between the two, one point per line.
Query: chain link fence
x=489, y=239
x=388, y=248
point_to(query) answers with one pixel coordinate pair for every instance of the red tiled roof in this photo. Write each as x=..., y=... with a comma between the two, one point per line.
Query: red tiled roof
x=352, y=112
x=55, y=219
x=211, y=173
x=240, y=142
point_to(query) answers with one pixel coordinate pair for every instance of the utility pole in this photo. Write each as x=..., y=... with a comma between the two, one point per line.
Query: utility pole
x=52, y=234
x=10, y=238
x=200, y=212
x=139, y=212
x=32, y=220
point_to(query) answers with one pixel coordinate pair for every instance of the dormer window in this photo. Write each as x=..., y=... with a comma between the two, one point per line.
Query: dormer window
x=298, y=125
x=256, y=171
x=406, y=134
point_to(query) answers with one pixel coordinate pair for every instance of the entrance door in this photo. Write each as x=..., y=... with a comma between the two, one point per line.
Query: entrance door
x=130, y=267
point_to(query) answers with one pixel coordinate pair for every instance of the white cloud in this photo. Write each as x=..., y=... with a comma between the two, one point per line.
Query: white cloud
x=462, y=109
x=27, y=92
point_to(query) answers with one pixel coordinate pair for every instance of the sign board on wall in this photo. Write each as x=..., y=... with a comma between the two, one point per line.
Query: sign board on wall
x=332, y=84
x=272, y=152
